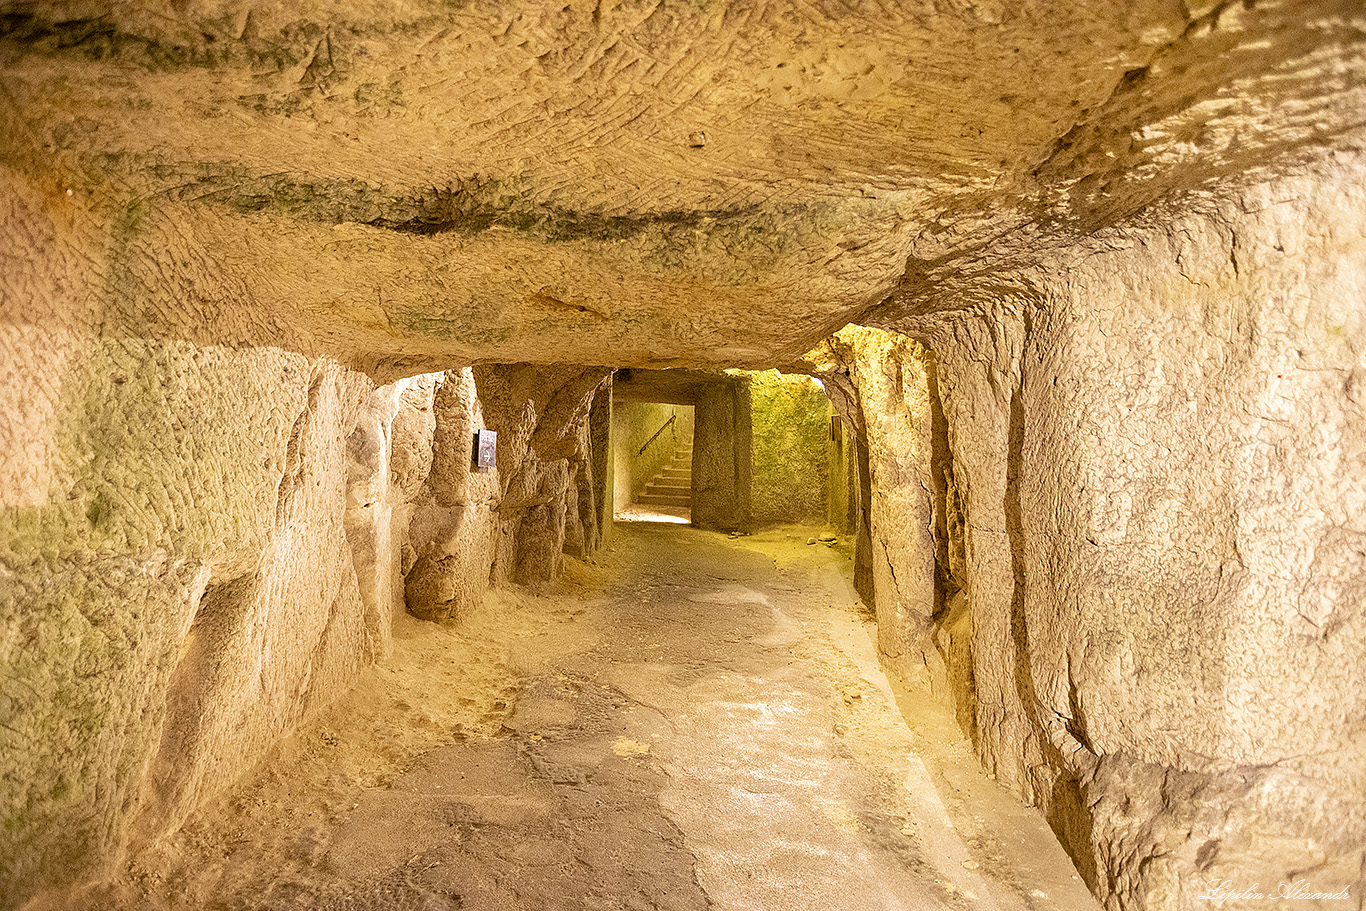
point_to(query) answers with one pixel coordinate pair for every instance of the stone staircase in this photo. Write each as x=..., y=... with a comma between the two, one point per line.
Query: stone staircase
x=672, y=487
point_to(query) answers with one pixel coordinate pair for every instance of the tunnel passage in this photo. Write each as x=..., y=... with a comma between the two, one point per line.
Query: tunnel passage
x=712, y=411
x=746, y=449
x=1083, y=287
x=652, y=469
x=694, y=721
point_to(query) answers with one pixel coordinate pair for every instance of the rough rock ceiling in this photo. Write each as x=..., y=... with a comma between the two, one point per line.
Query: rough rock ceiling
x=719, y=184
x=675, y=387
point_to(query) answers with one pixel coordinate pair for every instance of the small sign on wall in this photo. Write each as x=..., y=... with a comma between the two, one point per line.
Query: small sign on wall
x=485, y=450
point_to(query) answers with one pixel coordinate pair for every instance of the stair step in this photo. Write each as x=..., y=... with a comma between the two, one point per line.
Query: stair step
x=648, y=499
x=670, y=489
x=657, y=491
x=672, y=485
x=672, y=493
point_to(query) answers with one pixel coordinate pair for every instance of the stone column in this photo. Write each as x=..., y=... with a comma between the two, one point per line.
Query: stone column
x=721, y=456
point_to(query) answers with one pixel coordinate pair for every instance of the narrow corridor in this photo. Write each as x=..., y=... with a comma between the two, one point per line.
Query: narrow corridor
x=696, y=722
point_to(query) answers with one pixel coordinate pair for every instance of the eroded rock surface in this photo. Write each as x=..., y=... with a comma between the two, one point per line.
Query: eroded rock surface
x=1117, y=250
x=1158, y=645
x=585, y=169
x=544, y=448
x=452, y=531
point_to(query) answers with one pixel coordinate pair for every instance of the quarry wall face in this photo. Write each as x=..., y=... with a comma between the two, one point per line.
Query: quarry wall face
x=790, y=416
x=179, y=582
x=1193, y=469
x=205, y=539
x=1140, y=580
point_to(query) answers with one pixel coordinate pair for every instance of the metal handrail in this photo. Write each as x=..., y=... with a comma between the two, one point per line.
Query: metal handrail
x=663, y=428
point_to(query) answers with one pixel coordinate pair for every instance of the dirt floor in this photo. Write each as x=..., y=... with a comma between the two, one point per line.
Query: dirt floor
x=694, y=722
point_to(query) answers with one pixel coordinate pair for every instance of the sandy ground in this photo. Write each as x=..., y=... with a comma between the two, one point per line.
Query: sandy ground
x=694, y=722
x=668, y=515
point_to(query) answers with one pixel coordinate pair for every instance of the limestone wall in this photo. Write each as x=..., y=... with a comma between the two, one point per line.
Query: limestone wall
x=178, y=582
x=551, y=495
x=1140, y=577
x=842, y=508
x=722, y=455
x=791, y=420
x=183, y=591
x=1193, y=475
x=448, y=553
x=906, y=518
x=205, y=536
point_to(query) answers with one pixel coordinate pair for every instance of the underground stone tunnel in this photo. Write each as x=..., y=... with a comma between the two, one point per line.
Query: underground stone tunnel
x=1066, y=304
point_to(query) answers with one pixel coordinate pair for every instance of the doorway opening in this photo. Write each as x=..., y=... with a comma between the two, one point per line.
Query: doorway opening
x=652, y=462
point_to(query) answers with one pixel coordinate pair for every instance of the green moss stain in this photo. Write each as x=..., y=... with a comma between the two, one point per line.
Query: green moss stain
x=473, y=205
x=99, y=512
x=791, y=419
x=165, y=455
x=211, y=42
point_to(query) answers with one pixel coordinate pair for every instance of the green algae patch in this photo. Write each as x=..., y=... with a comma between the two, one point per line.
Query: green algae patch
x=791, y=418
